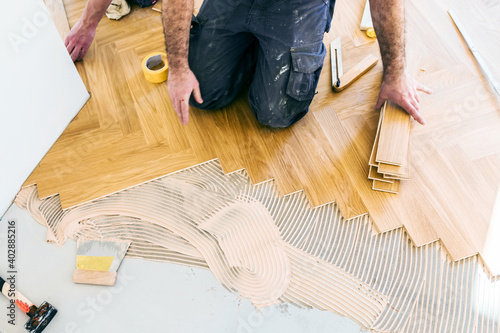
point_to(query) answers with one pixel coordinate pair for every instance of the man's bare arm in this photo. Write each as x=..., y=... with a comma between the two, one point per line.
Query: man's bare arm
x=398, y=86
x=177, y=16
x=82, y=34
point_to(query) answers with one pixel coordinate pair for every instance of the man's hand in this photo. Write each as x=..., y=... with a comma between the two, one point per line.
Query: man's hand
x=177, y=16
x=398, y=86
x=79, y=39
x=81, y=36
x=404, y=92
x=180, y=86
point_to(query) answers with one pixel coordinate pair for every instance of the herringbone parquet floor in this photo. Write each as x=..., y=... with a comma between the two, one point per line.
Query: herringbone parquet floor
x=128, y=132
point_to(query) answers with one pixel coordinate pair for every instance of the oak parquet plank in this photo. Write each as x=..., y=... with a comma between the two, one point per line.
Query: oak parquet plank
x=372, y=161
x=395, y=171
x=99, y=88
x=113, y=69
x=373, y=174
x=379, y=185
x=394, y=135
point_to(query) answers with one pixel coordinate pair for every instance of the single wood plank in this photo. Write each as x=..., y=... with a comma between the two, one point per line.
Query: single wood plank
x=373, y=154
x=355, y=73
x=394, y=135
x=386, y=187
x=373, y=174
x=113, y=69
x=394, y=172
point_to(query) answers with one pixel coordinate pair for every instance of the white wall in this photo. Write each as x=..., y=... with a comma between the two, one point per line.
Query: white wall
x=40, y=91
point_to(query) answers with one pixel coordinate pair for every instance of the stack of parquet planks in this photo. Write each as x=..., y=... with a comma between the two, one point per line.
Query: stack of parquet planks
x=389, y=159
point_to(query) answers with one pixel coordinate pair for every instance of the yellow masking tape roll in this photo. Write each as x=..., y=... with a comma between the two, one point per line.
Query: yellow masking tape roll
x=155, y=67
x=370, y=32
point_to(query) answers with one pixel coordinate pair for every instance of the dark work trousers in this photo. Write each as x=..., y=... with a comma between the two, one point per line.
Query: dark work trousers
x=274, y=46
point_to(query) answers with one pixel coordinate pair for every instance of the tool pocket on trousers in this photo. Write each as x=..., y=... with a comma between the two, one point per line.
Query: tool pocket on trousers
x=307, y=62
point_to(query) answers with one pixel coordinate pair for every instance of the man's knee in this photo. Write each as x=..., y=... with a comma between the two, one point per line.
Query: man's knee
x=284, y=89
x=280, y=113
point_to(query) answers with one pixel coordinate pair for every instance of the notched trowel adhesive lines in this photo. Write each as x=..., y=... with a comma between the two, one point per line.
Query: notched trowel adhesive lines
x=271, y=248
x=248, y=236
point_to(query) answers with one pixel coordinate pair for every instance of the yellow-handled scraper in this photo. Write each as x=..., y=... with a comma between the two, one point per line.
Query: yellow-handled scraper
x=97, y=261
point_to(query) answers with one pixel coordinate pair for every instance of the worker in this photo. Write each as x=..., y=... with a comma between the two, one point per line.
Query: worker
x=274, y=47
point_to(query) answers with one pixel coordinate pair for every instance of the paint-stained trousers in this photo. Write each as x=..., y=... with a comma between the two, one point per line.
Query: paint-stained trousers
x=274, y=46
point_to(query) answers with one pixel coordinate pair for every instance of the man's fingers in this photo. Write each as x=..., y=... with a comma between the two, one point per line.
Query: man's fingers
x=423, y=88
x=412, y=111
x=184, y=111
x=197, y=94
x=75, y=53
x=177, y=108
x=414, y=102
x=181, y=85
x=419, y=118
x=416, y=96
x=379, y=103
x=83, y=52
x=70, y=48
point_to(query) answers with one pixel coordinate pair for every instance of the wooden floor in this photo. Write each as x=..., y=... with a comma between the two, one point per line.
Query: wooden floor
x=128, y=132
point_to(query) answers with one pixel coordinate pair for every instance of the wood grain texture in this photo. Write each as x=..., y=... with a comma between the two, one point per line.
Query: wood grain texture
x=396, y=171
x=394, y=135
x=386, y=187
x=386, y=172
x=128, y=132
x=356, y=72
x=373, y=174
x=372, y=161
x=58, y=13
